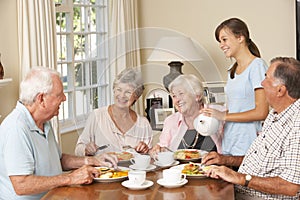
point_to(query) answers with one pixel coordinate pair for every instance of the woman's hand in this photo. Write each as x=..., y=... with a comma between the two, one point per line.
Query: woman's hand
x=156, y=149
x=142, y=147
x=105, y=160
x=90, y=149
x=214, y=113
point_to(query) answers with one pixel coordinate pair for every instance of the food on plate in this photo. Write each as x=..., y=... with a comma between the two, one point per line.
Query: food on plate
x=106, y=173
x=194, y=169
x=122, y=155
x=187, y=154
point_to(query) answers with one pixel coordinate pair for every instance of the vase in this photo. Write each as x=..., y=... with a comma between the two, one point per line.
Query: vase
x=175, y=70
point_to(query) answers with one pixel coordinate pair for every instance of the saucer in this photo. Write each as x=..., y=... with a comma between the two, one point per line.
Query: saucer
x=176, y=162
x=145, y=185
x=149, y=168
x=171, y=185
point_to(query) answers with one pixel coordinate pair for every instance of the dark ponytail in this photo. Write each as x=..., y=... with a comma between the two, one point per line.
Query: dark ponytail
x=238, y=28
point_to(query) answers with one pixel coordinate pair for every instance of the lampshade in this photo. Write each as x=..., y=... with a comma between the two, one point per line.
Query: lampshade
x=175, y=49
x=1, y=69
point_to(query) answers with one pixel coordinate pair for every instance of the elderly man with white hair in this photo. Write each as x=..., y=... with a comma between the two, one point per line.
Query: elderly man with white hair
x=31, y=161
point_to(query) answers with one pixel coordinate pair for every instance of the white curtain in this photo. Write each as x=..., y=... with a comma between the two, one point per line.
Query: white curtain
x=124, y=42
x=37, y=39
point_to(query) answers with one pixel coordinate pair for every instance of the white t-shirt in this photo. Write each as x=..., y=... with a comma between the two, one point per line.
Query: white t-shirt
x=240, y=92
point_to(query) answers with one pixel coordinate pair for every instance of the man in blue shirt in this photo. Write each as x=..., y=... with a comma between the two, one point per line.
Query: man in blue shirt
x=31, y=161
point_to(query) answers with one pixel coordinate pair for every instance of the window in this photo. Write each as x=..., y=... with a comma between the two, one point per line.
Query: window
x=82, y=56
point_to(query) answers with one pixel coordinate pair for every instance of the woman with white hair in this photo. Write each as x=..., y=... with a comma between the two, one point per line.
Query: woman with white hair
x=117, y=125
x=179, y=131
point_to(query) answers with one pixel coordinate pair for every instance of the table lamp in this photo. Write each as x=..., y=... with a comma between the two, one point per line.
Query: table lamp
x=174, y=50
x=1, y=69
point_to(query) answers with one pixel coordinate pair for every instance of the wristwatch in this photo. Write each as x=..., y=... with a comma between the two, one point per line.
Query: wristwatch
x=248, y=179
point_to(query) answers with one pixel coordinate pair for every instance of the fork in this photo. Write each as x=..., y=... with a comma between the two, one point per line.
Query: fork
x=126, y=147
x=117, y=169
x=168, y=149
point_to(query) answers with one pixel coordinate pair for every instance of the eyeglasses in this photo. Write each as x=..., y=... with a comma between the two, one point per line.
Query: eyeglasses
x=127, y=93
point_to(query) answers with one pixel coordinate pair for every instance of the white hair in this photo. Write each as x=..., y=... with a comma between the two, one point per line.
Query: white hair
x=190, y=83
x=133, y=77
x=38, y=80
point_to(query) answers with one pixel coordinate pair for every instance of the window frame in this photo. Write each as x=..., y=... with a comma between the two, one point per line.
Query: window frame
x=74, y=121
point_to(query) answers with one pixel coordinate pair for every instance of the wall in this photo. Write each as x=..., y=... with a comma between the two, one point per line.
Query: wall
x=271, y=24
x=9, y=55
x=69, y=141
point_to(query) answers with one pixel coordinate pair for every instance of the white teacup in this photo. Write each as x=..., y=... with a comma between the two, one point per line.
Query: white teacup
x=173, y=176
x=136, y=177
x=141, y=161
x=165, y=158
x=206, y=125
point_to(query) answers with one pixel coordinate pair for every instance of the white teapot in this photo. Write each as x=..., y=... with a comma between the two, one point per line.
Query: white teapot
x=205, y=125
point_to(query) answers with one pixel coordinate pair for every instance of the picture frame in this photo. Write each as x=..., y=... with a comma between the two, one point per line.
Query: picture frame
x=297, y=3
x=161, y=114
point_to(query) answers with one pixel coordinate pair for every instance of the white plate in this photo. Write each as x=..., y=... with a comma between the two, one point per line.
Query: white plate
x=180, y=167
x=201, y=153
x=145, y=185
x=149, y=168
x=169, y=165
x=108, y=180
x=171, y=185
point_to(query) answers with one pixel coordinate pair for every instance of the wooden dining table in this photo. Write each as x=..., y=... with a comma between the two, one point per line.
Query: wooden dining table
x=196, y=188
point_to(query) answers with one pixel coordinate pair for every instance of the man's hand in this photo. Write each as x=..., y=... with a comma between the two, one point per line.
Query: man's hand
x=213, y=158
x=83, y=175
x=225, y=173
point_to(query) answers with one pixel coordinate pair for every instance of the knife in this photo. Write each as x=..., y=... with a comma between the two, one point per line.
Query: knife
x=103, y=147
